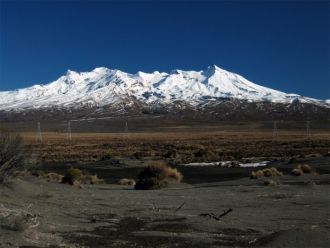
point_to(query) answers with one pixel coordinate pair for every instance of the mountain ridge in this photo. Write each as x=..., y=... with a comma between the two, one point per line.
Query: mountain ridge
x=210, y=93
x=103, y=86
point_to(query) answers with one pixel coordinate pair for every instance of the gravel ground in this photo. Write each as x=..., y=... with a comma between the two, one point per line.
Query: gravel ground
x=293, y=213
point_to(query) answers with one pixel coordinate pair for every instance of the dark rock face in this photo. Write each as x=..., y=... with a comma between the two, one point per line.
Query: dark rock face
x=225, y=109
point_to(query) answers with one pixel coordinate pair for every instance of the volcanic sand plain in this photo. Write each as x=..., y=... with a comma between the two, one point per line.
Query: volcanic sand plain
x=292, y=212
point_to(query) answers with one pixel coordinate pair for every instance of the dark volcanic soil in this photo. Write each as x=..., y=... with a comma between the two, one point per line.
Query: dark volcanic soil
x=130, y=168
x=293, y=213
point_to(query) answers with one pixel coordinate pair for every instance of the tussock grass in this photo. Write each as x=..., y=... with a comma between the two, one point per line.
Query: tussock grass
x=189, y=145
x=93, y=179
x=157, y=175
x=276, y=172
x=127, y=181
x=54, y=177
x=267, y=172
x=257, y=174
x=297, y=172
x=73, y=176
x=301, y=169
x=306, y=168
x=77, y=177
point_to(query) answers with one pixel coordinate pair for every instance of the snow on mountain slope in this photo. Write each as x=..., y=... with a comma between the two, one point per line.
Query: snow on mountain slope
x=104, y=86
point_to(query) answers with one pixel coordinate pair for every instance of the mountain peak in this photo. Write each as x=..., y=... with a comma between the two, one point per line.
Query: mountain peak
x=215, y=68
x=103, y=86
x=70, y=72
x=176, y=71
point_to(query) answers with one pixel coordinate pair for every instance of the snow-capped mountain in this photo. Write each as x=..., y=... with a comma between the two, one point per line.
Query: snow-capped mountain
x=104, y=86
x=116, y=89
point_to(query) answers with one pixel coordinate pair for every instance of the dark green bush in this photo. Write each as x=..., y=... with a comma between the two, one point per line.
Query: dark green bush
x=156, y=176
x=150, y=183
x=73, y=176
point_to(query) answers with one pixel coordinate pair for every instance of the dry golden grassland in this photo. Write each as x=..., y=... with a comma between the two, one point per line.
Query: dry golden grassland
x=180, y=145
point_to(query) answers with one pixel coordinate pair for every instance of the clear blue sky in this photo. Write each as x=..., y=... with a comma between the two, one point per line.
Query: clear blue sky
x=280, y=44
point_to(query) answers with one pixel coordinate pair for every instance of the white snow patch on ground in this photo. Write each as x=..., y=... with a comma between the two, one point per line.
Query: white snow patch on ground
x=262, y=163
x=230, y=164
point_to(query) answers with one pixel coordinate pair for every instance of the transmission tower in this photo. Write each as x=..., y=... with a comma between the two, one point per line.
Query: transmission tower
x=39, y=135
x=308, y=130
x=69, y=137
x=275, y=131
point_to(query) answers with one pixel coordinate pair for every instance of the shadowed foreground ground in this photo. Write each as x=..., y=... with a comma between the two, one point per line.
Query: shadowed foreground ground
x=294, y=213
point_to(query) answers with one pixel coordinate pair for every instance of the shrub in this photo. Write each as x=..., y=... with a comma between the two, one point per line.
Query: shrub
x=143, y=154
x=157, y=176
x=306, y=168
x=257, y=174
x=11, y=154
x=94, y=179
x=172, y=153
x=267, y=172
x=73, y=176
x=204, y=154
x=150, y=183
x=301, y=169
x=275, y=172
x=297, y=172
x=127, y=181
x=54, y=177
